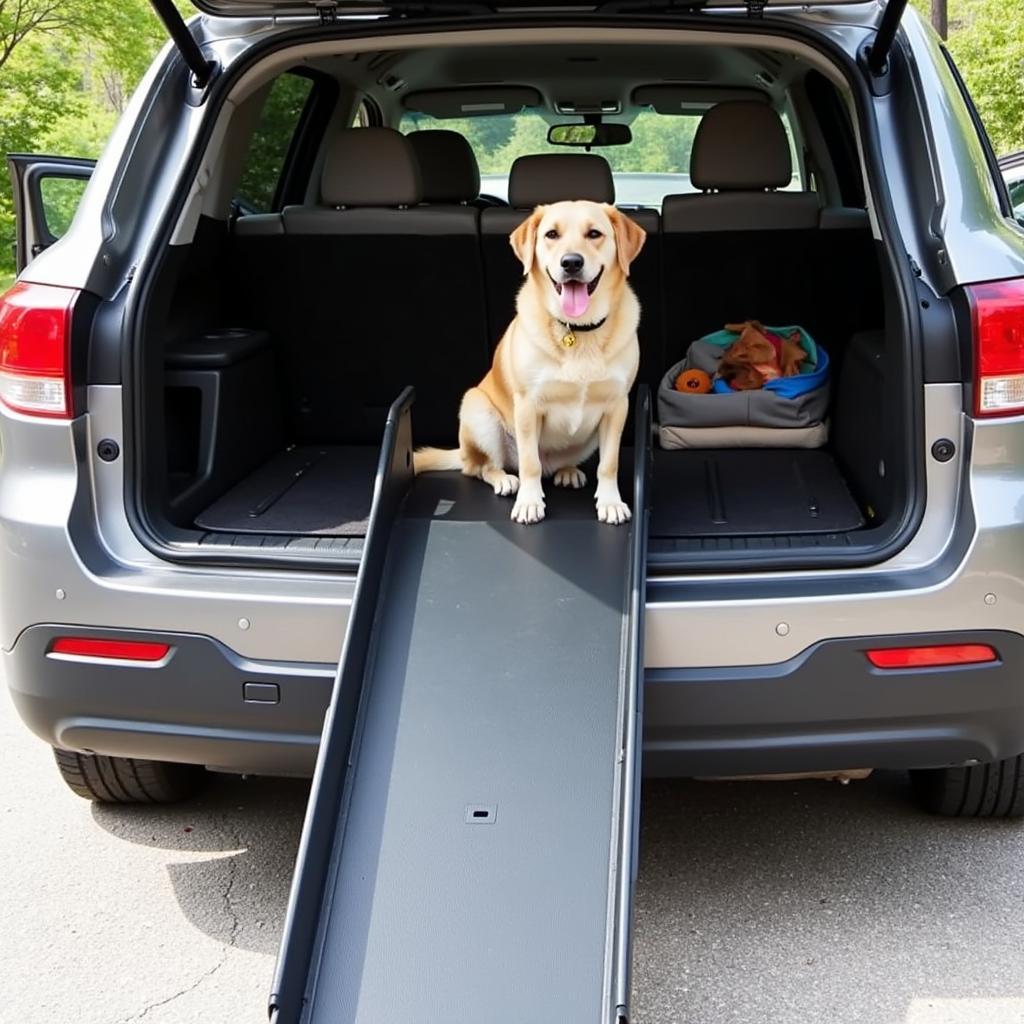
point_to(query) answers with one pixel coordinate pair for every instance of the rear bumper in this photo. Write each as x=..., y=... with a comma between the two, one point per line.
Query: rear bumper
x=824, y=709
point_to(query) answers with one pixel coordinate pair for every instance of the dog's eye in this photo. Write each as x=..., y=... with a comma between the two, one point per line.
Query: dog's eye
x=551, y=234
x=594, y=233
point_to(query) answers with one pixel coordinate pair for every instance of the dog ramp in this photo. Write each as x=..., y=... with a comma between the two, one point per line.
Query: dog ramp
x=469, y=847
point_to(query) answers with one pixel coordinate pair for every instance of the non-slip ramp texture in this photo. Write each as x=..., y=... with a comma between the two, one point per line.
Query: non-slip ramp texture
x=474, y=879
x=749, y=493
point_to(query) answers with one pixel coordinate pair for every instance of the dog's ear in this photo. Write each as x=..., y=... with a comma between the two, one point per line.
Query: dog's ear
x=629, y=237
x=524, y=239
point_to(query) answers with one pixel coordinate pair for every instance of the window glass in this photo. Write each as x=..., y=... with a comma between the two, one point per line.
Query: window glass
x=60, y=197
x=271, y=140
x=655, y=164
x=364, y=115
x=1016, y=187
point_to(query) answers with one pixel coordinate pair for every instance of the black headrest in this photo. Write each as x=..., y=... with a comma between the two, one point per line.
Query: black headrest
x=740, y=145
x=371, y=167
x=552, y=177
x=448, y=167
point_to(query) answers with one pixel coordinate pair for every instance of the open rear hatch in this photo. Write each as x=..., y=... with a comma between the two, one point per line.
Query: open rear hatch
x=290, y=483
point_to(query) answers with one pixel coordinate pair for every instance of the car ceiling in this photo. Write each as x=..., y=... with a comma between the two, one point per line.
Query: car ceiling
x=580, y=74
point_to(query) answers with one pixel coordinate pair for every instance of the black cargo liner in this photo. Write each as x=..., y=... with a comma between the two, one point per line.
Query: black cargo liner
x=307, y=490
x=750, y=492
x=325, y=491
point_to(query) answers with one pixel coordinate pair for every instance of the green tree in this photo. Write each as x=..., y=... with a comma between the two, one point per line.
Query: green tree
x=67, y=68
x=986, y=38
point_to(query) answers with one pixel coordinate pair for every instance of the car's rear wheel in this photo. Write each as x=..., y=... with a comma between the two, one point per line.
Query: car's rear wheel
x=992, y=790
x=127, y=780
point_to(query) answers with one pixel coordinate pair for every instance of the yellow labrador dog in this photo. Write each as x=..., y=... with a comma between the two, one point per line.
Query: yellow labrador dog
x=558, y=387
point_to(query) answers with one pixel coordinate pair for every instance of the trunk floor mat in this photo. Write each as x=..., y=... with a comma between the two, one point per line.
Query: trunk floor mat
x=326, y=490
x=750, y=492
x=321, y=490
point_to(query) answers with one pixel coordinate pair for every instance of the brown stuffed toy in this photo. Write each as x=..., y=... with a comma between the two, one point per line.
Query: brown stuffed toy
x=758, y=356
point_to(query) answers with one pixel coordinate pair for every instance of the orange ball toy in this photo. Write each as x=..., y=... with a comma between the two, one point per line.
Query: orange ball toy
x=694, y=382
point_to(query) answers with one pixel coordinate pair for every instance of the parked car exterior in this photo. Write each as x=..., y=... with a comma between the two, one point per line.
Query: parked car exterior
x=141, y=667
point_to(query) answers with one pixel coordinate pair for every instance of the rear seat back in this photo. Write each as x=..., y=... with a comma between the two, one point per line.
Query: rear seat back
x=550, y=178
x=382, y=292
x=743, y=250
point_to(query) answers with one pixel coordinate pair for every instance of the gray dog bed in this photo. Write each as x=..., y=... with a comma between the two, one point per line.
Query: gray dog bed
x=763, y=418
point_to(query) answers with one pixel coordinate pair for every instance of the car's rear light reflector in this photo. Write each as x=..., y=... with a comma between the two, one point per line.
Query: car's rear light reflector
x=997, y=312
x=932, y=657
x=35, y=349
x=119, y=650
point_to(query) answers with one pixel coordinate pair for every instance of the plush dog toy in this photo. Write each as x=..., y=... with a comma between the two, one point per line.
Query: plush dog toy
x=758, y=356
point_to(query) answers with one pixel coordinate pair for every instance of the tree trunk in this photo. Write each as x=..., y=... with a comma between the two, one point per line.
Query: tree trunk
x=940, y=20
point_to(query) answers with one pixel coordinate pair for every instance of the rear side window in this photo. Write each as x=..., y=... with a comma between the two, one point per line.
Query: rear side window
x=60, y=198
x=267, y=159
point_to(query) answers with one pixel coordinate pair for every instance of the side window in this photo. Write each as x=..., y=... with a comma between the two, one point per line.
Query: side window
x=60, y=198
x=1017, y=198
x=272, y=140
x=796, y=184
x=366, y=115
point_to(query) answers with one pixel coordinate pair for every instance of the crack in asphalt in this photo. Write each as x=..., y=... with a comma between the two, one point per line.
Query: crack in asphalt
x=232, y=837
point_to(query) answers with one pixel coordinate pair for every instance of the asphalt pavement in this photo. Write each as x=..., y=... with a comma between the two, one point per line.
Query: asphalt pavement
x=757, y=903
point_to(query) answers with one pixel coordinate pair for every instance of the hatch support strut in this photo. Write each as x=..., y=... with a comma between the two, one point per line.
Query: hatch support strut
x=878, y=52
x=202, y=69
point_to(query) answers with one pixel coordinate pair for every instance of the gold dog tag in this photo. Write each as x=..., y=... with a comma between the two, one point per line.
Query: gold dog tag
x=569, y=340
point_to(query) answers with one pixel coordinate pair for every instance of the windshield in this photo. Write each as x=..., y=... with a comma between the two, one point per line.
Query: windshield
x=654, y=165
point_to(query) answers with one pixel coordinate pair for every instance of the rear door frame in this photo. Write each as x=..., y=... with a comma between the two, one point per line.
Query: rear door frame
x=28, y=172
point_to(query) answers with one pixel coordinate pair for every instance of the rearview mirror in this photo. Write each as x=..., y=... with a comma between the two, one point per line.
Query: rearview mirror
x=589, y=135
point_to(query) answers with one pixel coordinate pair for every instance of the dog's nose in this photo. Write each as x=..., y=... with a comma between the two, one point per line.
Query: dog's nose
x=572, y=262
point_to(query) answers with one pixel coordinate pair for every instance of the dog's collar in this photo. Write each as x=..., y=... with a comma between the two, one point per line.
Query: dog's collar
x=569, y=338
x=583, y=327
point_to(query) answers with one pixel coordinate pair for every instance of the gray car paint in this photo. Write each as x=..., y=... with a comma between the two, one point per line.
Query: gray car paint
x=69, y=553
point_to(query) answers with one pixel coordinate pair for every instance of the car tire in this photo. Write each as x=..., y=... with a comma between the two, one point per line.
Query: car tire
x=127, y=780
x=992, y=790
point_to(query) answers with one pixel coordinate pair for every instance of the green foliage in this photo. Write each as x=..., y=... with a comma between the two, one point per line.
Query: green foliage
x=987, y=42
x=66, y=72
x=986, y=39
x=270, y=140
x=60, y=197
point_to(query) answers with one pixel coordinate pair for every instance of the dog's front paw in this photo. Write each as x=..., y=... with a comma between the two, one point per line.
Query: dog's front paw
x=613, y=512
x=505, y=484
x=529, y=506
x=570, y=476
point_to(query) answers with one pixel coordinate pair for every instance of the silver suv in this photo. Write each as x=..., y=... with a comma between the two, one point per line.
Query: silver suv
x=195, y=378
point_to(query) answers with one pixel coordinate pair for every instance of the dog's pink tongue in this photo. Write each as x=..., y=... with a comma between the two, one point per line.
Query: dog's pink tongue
x=574, y=299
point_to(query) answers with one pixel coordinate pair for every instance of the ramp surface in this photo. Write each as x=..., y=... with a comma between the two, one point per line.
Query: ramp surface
x=478, y=867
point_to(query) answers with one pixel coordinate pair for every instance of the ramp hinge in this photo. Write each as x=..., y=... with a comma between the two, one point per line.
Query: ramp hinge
x=755, y=8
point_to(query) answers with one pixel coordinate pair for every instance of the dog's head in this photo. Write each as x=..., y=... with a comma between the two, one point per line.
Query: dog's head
x=578, y=253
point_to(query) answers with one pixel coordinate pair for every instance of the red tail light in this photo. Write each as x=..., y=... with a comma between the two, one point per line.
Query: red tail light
x=118, y=650
x=997, y=311
x=35, y=349
x=932, y=657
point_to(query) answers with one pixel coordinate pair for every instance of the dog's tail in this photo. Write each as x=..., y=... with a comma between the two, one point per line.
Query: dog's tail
x=432, y=460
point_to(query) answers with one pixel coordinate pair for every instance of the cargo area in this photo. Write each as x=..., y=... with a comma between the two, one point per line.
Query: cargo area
x=279, y=334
